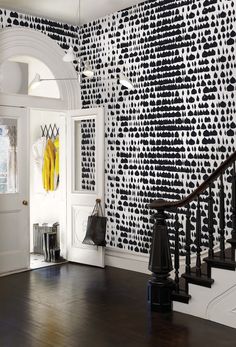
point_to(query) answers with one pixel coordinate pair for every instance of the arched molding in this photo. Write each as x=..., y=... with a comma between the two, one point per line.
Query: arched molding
x=28, y=42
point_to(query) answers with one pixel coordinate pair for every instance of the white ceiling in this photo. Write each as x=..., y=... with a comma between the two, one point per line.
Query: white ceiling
x=67, y=11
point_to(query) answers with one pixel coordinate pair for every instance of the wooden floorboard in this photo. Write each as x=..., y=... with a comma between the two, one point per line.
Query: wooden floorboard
x=73, y=305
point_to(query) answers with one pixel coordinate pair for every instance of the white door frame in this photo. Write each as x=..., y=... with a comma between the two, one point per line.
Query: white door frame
x=12, y=260
x=26, y=42
x=63, y=171
x=80, y=203
x=62, y=114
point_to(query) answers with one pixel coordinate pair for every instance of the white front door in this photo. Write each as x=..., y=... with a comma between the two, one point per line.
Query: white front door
x=85, y=181
x=14, y=210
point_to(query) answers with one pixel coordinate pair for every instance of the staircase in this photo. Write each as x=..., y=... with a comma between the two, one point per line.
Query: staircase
x=206, y=285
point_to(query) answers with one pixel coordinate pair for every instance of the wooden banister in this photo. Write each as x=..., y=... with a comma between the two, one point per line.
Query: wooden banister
x=161, y=287
x=164, y=204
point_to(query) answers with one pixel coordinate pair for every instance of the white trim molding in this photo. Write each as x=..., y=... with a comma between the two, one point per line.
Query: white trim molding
x=139, y=262
x=27, y=42
x=127, y=260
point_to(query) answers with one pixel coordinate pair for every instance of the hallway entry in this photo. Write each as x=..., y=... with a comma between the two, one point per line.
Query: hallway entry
x=23, y=202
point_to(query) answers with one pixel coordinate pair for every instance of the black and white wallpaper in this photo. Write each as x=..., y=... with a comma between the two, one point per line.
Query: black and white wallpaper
x=165, y=137
x=88, y=155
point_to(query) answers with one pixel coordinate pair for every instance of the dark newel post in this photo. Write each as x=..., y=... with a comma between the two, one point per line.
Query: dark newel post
x=210, y=223
x=198, y=237
x=222, y=218
x=160, y=286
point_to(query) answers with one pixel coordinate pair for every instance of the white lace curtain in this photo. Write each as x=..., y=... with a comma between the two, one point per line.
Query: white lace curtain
x=8, y=131
x=11, y=133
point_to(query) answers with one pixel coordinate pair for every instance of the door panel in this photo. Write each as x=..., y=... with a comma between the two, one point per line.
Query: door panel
x=14, y=215
x=85, y=181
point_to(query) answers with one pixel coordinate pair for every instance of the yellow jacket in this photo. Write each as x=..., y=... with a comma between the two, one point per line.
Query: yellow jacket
x=49, y=166
x=57, y=161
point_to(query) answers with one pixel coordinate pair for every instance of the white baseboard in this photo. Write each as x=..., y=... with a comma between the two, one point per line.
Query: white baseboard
x=127, y=260
x=135, y=262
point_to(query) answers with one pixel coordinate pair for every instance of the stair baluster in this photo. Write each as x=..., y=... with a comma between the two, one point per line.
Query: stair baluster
x=161, y=289
x=198, y=237
x=232, y=241
x=222, y=218
x=210, y=223
x=188, y=242
x=234, y=204
x=177, y=253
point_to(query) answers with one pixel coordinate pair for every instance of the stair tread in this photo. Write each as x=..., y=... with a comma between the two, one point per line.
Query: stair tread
x=232, y=242
x=218, y=259
x=217, y=262
x=181, y=296
x=202, y=280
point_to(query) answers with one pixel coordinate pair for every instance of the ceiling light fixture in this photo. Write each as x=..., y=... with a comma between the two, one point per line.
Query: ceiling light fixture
x=124, y=81
x=36, y=81
x=88, y=72
x=69, y=57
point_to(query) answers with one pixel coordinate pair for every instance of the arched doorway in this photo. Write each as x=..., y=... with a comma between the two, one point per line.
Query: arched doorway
x=24, y=115
x=26, y=42
x=76, y=203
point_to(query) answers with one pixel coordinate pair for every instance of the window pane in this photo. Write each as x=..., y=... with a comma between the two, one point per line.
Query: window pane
x=84, y=150
x=8, y=155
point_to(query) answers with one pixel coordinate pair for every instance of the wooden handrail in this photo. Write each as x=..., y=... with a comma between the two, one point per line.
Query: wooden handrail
x=164, y=204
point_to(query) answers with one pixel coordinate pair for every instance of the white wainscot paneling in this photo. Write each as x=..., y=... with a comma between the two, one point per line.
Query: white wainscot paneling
x=79, y=225
x=79, y=252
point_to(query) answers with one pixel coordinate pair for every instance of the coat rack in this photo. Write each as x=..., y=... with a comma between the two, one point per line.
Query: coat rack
x=49, y=131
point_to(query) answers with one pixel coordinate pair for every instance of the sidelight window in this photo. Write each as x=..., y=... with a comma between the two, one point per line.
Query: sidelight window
x=8, y=156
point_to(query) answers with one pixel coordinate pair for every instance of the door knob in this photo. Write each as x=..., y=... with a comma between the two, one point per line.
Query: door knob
x=25, y=202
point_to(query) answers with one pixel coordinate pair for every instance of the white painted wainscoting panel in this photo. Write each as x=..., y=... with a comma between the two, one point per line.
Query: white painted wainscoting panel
x=127, y=260
x=79, y=219
x=79, y=225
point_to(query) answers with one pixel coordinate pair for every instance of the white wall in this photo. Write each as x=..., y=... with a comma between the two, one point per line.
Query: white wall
x=14, y=77
x=45, y=207
x=46, y=89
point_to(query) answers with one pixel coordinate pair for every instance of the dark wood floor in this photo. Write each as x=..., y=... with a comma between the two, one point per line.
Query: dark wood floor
x=72, y=305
